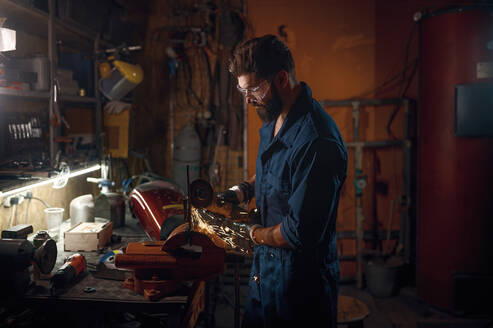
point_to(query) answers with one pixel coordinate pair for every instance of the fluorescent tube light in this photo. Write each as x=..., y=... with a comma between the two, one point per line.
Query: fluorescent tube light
x=49, y=180
x=7, y=39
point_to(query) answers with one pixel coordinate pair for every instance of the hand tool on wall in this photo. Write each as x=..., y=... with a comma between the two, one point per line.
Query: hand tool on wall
x=214, y=168
x=73, y=267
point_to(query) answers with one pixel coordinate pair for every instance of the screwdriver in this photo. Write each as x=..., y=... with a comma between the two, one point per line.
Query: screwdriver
x=74, y=265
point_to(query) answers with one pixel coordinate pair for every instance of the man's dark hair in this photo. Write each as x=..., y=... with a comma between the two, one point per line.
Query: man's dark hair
x=265, y=56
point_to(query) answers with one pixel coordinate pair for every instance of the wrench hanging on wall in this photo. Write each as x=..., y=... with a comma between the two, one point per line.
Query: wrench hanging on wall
x=214, y=168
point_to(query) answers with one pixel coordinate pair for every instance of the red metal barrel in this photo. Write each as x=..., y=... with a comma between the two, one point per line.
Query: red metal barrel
x=455, y=174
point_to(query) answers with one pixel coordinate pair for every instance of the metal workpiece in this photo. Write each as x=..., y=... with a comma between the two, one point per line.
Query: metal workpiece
x=226, y=233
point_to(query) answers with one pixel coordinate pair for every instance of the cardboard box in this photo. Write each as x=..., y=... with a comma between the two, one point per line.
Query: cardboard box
x=88, y=236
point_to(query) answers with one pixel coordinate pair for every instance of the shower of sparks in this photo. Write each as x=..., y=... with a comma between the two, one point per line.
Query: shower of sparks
x=233, y=234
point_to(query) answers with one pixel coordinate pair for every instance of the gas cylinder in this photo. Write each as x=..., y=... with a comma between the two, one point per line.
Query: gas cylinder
x=186, y=152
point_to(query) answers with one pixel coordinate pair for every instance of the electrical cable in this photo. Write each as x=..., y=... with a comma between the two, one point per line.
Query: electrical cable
x=387, y=83
x=190, y=91
x=27, y=210
x=207, y=66
x=389, y=227
x=11, y=216
x=397, y=107
x=403, y=86
x=14, y=209
x=42, y=201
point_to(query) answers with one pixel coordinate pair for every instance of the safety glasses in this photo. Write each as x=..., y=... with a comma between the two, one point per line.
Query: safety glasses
x=259, y=92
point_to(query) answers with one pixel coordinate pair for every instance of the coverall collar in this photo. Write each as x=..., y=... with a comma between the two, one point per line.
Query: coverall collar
x=290, y=127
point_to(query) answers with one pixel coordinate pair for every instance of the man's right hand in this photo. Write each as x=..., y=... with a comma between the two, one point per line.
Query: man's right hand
x=227, y=196
x=225, y=201
x=216, y=206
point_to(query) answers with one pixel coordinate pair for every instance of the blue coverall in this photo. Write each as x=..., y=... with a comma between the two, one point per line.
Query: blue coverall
x=299, y=175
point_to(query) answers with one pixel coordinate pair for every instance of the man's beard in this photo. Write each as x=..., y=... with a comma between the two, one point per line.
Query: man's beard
x=269, y=111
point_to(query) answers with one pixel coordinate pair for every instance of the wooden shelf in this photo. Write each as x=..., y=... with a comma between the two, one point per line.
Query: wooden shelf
x=45, y=95
x=35, y=21
x=58, y=33
x=78, y=99
x=30, y=95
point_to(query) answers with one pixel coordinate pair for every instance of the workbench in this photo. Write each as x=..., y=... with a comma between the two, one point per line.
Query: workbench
x=109, y=295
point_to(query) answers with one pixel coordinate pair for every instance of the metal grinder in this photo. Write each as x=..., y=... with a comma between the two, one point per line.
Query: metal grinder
x=16, y=256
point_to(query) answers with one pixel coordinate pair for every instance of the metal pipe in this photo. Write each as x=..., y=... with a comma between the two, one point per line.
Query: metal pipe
x=376, y=144
x=245, y=141
x=368, y=235
x=405, y=239
x=171, y=125
x=245, y=119
x=237, y=295
x=360, y=102
x=99, y=114
x=51, y=59
x=358, y=167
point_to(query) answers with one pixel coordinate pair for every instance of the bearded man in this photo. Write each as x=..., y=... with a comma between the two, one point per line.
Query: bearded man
x=300, y=169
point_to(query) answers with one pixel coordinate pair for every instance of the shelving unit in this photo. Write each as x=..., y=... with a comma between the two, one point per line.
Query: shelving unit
x=57, y=32
x=35, y=22
x=40, y=96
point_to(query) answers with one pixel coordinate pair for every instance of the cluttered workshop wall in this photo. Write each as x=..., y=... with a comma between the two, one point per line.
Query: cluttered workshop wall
x=187, y=110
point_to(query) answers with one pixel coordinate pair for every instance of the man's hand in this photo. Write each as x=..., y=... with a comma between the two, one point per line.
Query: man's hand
x=224, y=209
x=227, y=196
x=224, y=202
x=242, y=192
x=270, y=236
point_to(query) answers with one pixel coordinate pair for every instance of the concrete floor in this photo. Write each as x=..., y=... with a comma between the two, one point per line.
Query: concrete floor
x=405, y=310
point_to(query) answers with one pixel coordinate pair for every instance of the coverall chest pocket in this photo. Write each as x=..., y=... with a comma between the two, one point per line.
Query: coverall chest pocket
x=283, y=193
x=278, y=193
